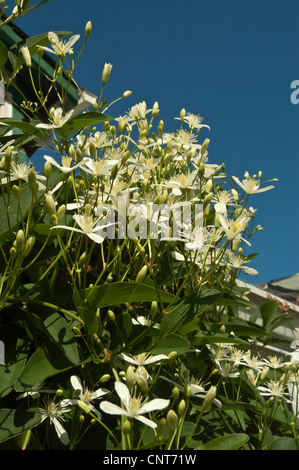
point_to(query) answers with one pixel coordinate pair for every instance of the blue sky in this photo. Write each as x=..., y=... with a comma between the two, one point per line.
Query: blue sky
x=231, y=62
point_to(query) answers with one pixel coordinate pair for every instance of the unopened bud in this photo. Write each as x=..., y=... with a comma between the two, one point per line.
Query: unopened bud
x=106, y=73
x=29, y=245
x=88, y=29
x=32, y=180
x=26, y=56
x=13, y=252
x=16, y=191
x=126, y=427
x=105, y=378
x=84, y=407
x=204, y=146
x=60, y=212
x=50, y=204
x=181, y=407
x=20, y=241
x=210, y=397
x=127, y=93
x=141, y=275
x=47, y=169
x=172, y=420
x=130, y=377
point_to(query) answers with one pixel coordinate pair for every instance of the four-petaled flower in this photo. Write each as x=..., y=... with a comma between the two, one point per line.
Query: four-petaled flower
x=59, y=47
x=134, y=407
x=84, y=395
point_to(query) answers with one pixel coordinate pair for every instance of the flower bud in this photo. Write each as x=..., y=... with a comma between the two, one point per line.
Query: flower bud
x=32, y=180
x=20, y=241
x=8, y=157
x=182, y=114
x=181, y=407
x=204, y=146
x=54, y=220
x=13, y=252
x=106, y=73
x=47, y=169
x=111, y=315
x=130, y=377
x=26, y=56
x=16, y=191
x=50, y=204
x=29, y=245
x=154, y=307
x=172, y=420
x=105, y=378
x=210, y=397
x=127, y=93
x=84, y=407
x=88, y=29
x=60, y=212
x=141, y=275
x=175, y=393
x=126, y=427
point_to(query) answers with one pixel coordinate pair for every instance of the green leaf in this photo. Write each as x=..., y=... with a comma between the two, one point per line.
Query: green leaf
x=29, y=127
x=202, y=339
x=82, y=121
x=16, y=353
x=63, y=336
x=124, y=327
x=284, y=443
x=11, y=215
x=15, y=422
x=45, y=362
x=91, y=322
x=121, y=292
x=172, y=342
x=226, y=442
x=267, y=311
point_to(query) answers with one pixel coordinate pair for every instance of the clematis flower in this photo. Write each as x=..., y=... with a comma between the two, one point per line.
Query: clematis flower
x=251, y=185
x=54, y=412
x=273, y=389
x=89, y=226
x=133, y=406
x=65, y=167
x=59, y=47
x=143, y=359
x=20, y=171
x=57, y=119
x=84, y=395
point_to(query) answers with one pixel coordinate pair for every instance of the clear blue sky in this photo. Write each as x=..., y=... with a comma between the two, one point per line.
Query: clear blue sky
x=230, y=61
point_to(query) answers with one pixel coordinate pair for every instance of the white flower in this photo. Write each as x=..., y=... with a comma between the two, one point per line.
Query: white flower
x=20, y=171
x=65, y=167
x=89, y=226
x=143, y=359
x=57, y=119
x=233, y=228
x=53, y=412
x=35, y=391
x=59, y=47
x=273, y=389
x=134, y=407
x=251, y=185
x=194, y=121
x=275, y=362
x=98, y=167
x=85, y=395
